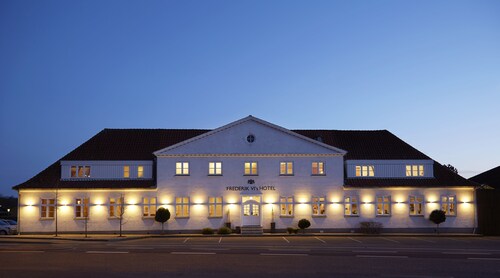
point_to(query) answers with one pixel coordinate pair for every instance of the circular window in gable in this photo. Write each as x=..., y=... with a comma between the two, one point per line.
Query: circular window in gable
x=250, y=138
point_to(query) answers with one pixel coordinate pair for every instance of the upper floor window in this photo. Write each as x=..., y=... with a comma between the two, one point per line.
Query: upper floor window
x=318, y=168
x=182, y=207
x=80, y=171
x=81, y=207
x=126, y=171
x=414, y=170
x=214, y=206
x=286, y=206
x=182, y=168
x=351, y=206
x=148, y=207
x=215, y=168
x=140, y=171
x=286, y=168
x=416, y=205
x=449, y=204
x=384, y=205
x=47, y=208
x=365, y=171
x=251, y=168
x=318, y=206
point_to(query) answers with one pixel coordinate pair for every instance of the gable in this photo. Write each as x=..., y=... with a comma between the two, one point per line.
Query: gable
x=234, y=138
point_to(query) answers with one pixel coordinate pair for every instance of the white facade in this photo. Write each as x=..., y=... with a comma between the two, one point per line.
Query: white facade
x=312, y=187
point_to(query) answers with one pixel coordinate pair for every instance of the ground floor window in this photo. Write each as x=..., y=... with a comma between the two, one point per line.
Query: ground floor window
x=384, y=205
x=318, y=206
x=351, y=206
x=116, y=207
x=215, y=207
x=449, y=204
x=81, y=207
x=286, y=206
x=416, y=205
x=149, y=207
x=47, y=208
x=182, y=207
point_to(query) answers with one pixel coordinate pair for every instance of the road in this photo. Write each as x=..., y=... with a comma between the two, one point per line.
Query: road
x=277, y=256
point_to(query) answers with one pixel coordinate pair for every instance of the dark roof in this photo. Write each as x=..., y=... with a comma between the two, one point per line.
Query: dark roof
x=139, y=144
x=443, y=177
x=490, y=177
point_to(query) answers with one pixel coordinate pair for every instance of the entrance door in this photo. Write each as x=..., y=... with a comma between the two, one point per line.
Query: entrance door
x=250, y=211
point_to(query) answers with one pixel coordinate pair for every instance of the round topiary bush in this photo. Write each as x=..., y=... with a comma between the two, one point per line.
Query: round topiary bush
x=304, y=224
x=224, y=231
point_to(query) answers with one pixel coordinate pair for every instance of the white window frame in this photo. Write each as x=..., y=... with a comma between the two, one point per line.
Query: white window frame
x=416, y=201
x=318, y=205
x=126, y=171
x=251, y=168
x=415, y=170
x=365, y=170
x=115, y=207
x=215, y=168
x=286, y=206
x=215, y=207
x=149, y=206
x=286, y=168
x=350, y=202
x=318, y=168
x=47, y=208
x=182, y=207
x=449, y=207
x=140, y=171
x=182, y=168
x=383, y=201
x=79, y=171
x=82, y=208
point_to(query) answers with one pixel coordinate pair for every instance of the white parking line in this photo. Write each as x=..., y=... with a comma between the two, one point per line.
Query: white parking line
x=282, y=254
x=186, y=240
x=379, y=256
x=286, y=240
x=391, y=240
x=358, y=241
x=485, y=259
x=192, y=253
x=319, y=239
x=107, y=252
x=220, y=239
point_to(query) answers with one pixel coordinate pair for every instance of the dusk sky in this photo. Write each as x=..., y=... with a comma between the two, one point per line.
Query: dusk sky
x=428, y=71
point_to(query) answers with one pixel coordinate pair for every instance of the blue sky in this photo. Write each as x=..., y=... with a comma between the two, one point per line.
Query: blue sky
x=428, y=71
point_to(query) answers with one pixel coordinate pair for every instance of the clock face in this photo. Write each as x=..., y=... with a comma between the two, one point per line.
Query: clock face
x=250, y=138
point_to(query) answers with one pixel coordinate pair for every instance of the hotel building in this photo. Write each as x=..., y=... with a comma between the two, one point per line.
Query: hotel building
x=249, y=173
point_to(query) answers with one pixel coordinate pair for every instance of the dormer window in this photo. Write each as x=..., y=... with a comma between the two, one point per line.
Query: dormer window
x=80, y=171
x=414, y=170
x=365, y=171
x=126, y=171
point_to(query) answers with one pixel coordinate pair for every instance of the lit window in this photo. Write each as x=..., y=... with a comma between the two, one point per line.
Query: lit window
x=182, y=168
x=318, y=168
x=416, y=205
x=116, y=207
x=215, y=168
x=251, y=210
x=365, y=171
x=286, y=168
x=148, y=207
x=318, y=206
x=286, y=206
x=126, y=171
x=82, y=208
x=250, y=168
x=47, y=208
x=182, y=207
x=384, y=205
x=140, y=171
x=449, y=204
x=80, y=171
x=351, y=206
x=414, y=170
x=215, y=207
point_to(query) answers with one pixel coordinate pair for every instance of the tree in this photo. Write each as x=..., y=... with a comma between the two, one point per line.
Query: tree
x=437, y=217
x=304, y=224
x=162, y=216
x=121, y=212
x=451, y=168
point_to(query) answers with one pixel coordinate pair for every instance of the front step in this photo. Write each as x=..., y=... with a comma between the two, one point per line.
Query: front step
x=252, y=230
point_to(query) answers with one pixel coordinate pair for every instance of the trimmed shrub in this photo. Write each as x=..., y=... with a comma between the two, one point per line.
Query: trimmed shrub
x=304, y=224
x=437, y=217
x=370, y=227
x=290, y=230
x=224, y=231
x=207, y=231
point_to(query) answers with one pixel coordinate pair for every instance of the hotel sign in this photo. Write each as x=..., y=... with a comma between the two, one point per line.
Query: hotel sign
x=251, y=188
